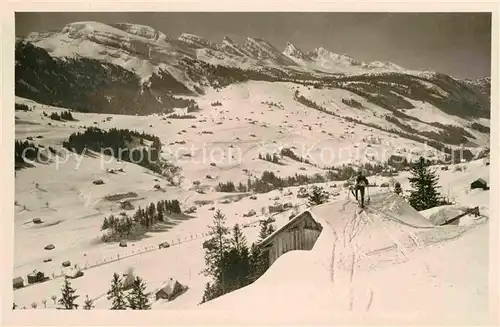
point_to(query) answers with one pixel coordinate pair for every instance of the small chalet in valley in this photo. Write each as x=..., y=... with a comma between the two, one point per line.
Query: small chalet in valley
x=170, y=290
x=479, y=183
x=299, y=233
x=36, y=277
x=18, y=282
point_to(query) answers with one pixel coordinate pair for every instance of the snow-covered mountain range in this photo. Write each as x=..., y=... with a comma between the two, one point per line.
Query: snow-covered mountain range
x=135, y=47
x=135, y=69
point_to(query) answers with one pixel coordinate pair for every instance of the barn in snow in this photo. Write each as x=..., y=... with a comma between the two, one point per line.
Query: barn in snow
x=299, y=233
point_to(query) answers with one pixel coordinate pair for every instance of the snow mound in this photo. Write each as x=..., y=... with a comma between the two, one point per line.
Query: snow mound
x=344, y=270
x=395, y=207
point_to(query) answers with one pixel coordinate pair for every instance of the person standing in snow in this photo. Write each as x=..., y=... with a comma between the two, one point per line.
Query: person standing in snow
x=397, y=188
x=361, y=183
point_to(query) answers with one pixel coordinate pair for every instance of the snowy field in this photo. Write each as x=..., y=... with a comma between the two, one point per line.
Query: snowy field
x=429, y=273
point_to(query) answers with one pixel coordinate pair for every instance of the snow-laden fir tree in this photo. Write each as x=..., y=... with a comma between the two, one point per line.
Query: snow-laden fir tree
x=424, y=183
x=258, y=263
x=263, y=230
x=237, y=261
x=115, y=294
x=317, y=196
x=138, y=299
x=239, y=240
x=211, y=292
x=68, y=296
x=270, y=229
x=218, y=244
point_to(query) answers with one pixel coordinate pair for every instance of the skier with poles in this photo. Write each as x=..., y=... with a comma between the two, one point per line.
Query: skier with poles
x=361, y=183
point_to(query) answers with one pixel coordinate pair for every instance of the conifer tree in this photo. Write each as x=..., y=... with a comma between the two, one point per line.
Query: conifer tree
x=263, y=233
x=68, y=296
x=255, y=262
x=219, y=244
x=270, y=229
x=424, y=182
x=211, y=292
x=138, y=299
x=239, y=241
x=317, y=196
x=88, y=304
x=105, y=224
x=115, y=294
x=206, y=293
x=237, y=260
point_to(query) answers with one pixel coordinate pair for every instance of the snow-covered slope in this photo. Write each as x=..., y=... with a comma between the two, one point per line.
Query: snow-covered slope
x=239, y=102
x=370, y=265
x=61, y=193
x=293, y=52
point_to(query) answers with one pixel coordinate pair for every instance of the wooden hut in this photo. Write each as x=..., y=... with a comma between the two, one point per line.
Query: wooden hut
x=299, y=233
x=171, y=290
x=479, y=183
x=276, y=207
x=18, y=282
x=36, y=277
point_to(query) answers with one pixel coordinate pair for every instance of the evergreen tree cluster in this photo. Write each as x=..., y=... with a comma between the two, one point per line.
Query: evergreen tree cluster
x=272, y=104
x=65, y=115
x=311, y=104
x=424, y=182
x=142, y=220
x=229, y=261
x=120, y=144
x=398, y=162
x=21, y=106
x=231, y=187
x=274, y=158
x=266, y=229
x=352, y=103
x=268, y=182
x=317, y=196
x=24, y=150
x=480, y=128
x=216, y=104
x=286, y=152
x=137, y=299
x=177, y=116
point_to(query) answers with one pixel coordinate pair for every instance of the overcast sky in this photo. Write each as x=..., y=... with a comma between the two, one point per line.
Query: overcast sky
x=451, y=43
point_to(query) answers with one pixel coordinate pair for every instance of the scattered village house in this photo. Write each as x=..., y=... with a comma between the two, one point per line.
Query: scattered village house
x=479, y=183
x=276, y=207
x=171, y=290
x=18, y=282
x=299, y=233
x=35, y=277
